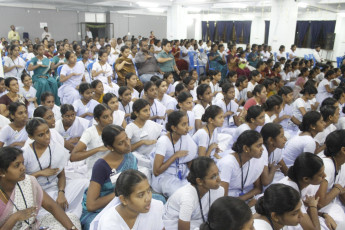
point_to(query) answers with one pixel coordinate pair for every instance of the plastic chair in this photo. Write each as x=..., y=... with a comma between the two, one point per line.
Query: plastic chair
x=287, y=56
x=208, y=62
x=79, y=59
x=27, y=65
x=339, y=61
x=311, y=57
x=89, y=68
x=306, y=57
x=275, y=56
x=58, y=70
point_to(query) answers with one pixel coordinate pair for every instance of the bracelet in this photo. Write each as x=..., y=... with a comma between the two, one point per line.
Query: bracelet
x=312, y=207
x=337, y=188
x=61, y=190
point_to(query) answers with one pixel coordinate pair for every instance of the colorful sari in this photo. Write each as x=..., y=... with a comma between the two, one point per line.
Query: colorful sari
x=42, y=80
x=129, y=162
x=217, y=65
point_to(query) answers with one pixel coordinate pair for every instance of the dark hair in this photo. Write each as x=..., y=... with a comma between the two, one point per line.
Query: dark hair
x=107, y=97
x=83, y=87
x=203, y=78
x=122, y=90
x=166, y=75
x=271, y=102
x=8, y=154
x=33, y=123
x=310, y=118
x=154, y=78
x=286, y=66
x=45, y=95
x=338, y=92
x=137, y=106
x=199, y=169
x=247, y=138
x=8, y=81
x=226, y=87
x=231, y=74
x=65, y=108
x=99, y=109
x=187, y=80
x=326, y=111
x=240, y=80
x=253, y=112
x=260, y=63
x=68, y=54
x=109, y=133
x=285, y=90
x=94, y=83
x=40, y=111
x=212, y=73
x=278, y=198
x=126, y=182
x=148, y=85
x=227, y=213
x=165, y=42
x=211, y=112
x=12, y=108
x=254, y=73
x=270, y=130
x=329, y=73
x=309, y=89
x=182, y=97
x=159, y=82
x=201, y=90
x=267, y=82
x=128, y=76
x=103, y=51
x=329, y=101
x=174, y=119
x=257, y=89
x=305, y=165
x=334, y=142
x=179, y=87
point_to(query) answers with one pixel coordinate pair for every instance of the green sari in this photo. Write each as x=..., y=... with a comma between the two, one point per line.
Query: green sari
x=42, y=80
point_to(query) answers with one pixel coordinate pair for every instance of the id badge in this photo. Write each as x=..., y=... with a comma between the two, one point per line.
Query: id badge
x=180, y=171
x=39, y=63
x=241, y=194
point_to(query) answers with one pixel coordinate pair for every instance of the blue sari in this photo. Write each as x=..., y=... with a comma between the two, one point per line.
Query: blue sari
x=42, y=80
x=129, y=162
x=214, y=64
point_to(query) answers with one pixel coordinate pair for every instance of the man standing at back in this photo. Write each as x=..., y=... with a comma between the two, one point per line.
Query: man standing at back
x=46, y=34
x=13, y=35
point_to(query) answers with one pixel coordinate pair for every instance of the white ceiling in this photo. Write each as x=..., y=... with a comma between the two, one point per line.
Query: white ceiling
x=207, y=6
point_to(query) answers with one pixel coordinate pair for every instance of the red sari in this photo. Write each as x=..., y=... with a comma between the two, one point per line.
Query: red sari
x=180, y=63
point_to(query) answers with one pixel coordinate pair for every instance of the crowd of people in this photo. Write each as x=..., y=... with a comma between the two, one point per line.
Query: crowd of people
x=127, y=134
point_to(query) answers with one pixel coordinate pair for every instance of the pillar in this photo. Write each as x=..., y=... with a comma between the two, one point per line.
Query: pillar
x=176, y=22
x=339, y=42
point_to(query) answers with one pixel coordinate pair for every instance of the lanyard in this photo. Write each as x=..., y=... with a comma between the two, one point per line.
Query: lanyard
x=15, y=64
x=38, y=161
x=226, y=108
x=209, y=136
x=177, y=162
x=153, y=114
x=245, y=179
x=128, y=119
x=209, y=202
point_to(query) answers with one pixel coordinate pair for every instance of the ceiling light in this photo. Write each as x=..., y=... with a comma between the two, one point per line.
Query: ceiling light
x=302, y=4
x=193, y=9
x=229, y=5
x=157, y=10
x=148, y=4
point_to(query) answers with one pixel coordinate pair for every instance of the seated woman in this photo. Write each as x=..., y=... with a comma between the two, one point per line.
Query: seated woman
x=126, y=103
x=105, y=172
x=157, y=109
x=280, y=206
x=254, y=119
x=85, y=105
x=98, y=90
x=147, y=212
x=311, y=125
x=125, y=65
x=42, y=80
x=29, y=92
x=163, y=97
x=306, y=176
x=14, y=134
x=131, y=81
x=112, y=101
x=206, y=138
x=58, y=59
x=230, y=212
x=259, y=97
x=143, y=134
x=188, y=207
x=16, y=214
x=13, y=64
x=12, y=86
x=70, y=127
x=216, y=62
x=46, y=160
x=274, y=142
x=47, y=99
x=90, y=146
x=71, y=75
x=185, y=104
x=173, y=152
x=245, y=160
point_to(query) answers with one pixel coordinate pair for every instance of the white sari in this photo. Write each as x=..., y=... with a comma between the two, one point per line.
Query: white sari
x=68, y=92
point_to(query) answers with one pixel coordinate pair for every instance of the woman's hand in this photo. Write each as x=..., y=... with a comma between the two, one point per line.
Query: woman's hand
x=330, y=222
x=149, y=142
x=62, y=201
x=181, y=153
x=25, y=214
x=48, y=172
x=310, y=201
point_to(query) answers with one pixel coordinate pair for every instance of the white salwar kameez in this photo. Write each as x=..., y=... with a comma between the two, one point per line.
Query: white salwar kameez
x=81, y=109
x=9, y=135
x=31, y=93
x=103, y=77
x=68, y=92
x=55, y=157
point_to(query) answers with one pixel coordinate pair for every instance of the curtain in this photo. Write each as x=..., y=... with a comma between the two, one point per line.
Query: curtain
x=316, y=27
x=246, y=31
x=328, y=27
x=238, y=30
x=267, y=30
x=221, y=30
x=302, y=28
x=229, y=26
x=204, y=30
x=212, y=30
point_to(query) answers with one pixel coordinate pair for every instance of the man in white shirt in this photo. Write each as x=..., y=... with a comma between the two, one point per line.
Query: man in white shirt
x=317, y=55
x=46, y=34
x=88, y=32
